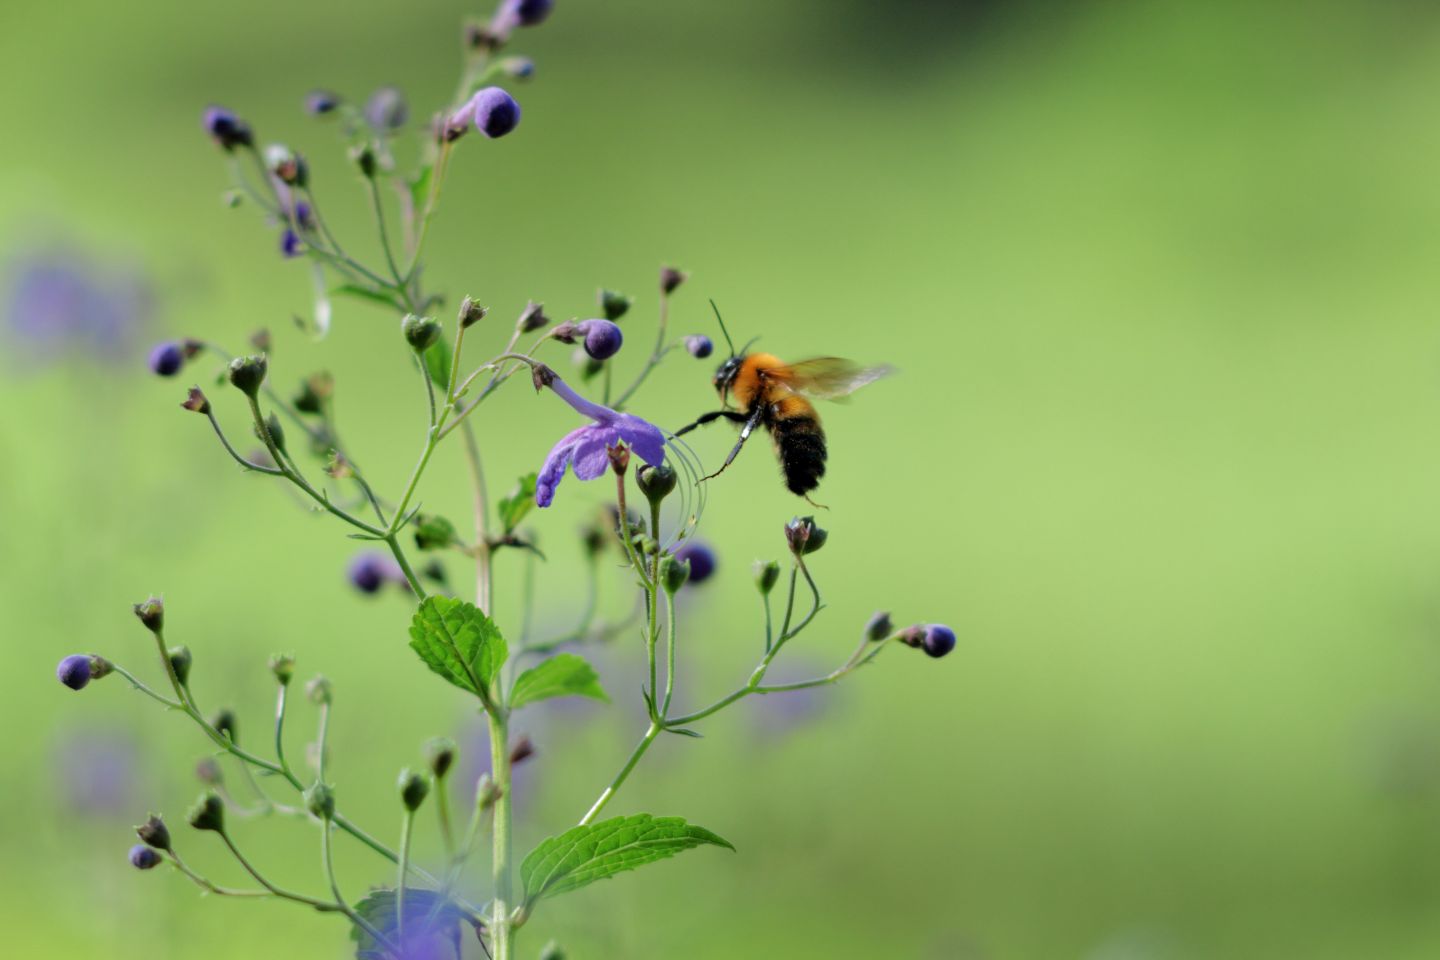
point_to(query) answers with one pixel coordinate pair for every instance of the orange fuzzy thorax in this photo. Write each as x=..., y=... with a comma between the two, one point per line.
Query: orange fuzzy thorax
x=750, y=381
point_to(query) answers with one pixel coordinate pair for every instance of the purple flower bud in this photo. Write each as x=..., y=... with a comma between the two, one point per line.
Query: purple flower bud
x=530, y=13
x=144, y=858
x=289, y=243
x=602, y=338
x=167, y=359
x=879, y=626
x=74, y=671
x=226, y=129
x=320, y=102
x=370, y=571
x=699, y=345
x=701, y=557
x=521, y=68
x=670, y=279
x=938, y=640
x=387, y=110
x=495, y=112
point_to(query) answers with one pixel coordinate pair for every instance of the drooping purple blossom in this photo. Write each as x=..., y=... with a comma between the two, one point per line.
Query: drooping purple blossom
x=585, y=448
x=701, y=557
x=938, y=640
x=603, y=338
x=74, y=671
x=494, y=112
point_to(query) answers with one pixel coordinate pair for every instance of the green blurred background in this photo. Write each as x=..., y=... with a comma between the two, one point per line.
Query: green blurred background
x=1159, y=281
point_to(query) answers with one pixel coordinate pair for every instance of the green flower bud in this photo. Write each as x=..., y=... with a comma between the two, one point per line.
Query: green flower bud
x=879, y=626
x=420, y=332
x=486, y=793
x=152, y=614
x=180, y=661
x=283, y=666
x=532, y=318
x=670, y=279
x=439, y=755
x=224, y=724
x=552, y=951
x=614, y=305
x=195, y=401
x=274, y=429
x=364, y=157
x=413, y=788
x=804, y=536
x=767, y=574
x=320, y=801
x=154, y=833
x=248, y=373
x=471, y=312
x=100, y=667
x=319, y=691
x=656, y=483
x=673, y=573
x=208, y=813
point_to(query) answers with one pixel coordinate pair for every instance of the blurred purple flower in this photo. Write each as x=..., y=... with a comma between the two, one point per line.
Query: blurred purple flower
x=60, y=303
x=701, y=557
x=96, y=771
x=787, y=711
x=585, y=448
x=370, y=571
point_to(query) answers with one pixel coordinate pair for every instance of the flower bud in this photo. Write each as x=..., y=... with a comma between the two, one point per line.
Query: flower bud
x=320, y=801
x=656, y=483
x=912, y=636
x=283, y=666
x=320, y=102
x=413, y=788
x=613, y=305
x=196, y=401
x=804, y=536
x=938, y=640
x=420, y=332
x=527, y=13
x=566, y=332
x=670, y=280
x=701, y=559
x=248, y=373
x=879, y=627
x=180, y=661
x=521, y=68
x=523, y=750
x=592, y=540
x=224, y=724
x=699, y=345
x=369, y=571
x=74, y=671
x=486, y=792
x=144, y=858
x=674, y=573
x=319, y=690
x=386, y=110
x=439, y=755
x=552, y=951
x=167, y=359
x=602, y=338
x=291, y=245
x=532, y=318
x=208, y=813
x=287, y=165
x=275, y=431
x=207, y=771
x=767, y=574
x=152, y=614
x=154, y=832
x=364, y=159
x=226, y=129
x=619, y=458
x=471, y=312
x=495, y=112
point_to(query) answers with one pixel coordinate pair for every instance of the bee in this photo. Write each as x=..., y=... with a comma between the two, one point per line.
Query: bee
x=770, y=393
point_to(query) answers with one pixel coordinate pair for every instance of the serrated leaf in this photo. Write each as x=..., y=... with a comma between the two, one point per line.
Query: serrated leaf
x=458, y=642
x=582, y=855
x=362, y=293
x=431, y=924
x=437, y=363
x=433, y=532
x=520, y=502
x=563, y=675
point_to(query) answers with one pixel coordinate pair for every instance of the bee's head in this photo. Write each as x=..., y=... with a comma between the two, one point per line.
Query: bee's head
x=725, y=375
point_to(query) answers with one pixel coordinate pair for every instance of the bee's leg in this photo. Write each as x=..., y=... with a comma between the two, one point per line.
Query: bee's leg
x=734, y=415
x=812, y=503
x=745, y=432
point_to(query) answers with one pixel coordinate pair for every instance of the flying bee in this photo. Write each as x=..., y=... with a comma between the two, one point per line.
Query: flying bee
x=776, y=395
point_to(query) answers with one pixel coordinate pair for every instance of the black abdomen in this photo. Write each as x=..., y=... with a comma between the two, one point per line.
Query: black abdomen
x=800, y=445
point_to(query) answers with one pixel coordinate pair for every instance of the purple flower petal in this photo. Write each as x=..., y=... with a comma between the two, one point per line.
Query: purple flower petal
x=554, y=469
x=644, y=438
x=592, y=457
x=592, y=410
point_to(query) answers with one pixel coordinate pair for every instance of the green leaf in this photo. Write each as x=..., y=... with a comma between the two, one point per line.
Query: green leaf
x=563, y=675
x=430, y=920
x=437, y=363
x=458, y=642
x=433, y=532
x=420, y=188
x=520, y=502
x=362, y=293
x=582, y=855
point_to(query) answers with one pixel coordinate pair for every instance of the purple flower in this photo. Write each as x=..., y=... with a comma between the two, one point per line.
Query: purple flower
x=74, y=671
x=167, y=359
x=495, y=112
x=602, y=338
x=370, y=571
x=320, y=102
x=585, y=448
x=529, y=13
x=938, y=640
x=289, y=243
x=701, y=557
x=60, y=301
x=699, y=345
x=144, y=858
x=226, y=129
x=386, y=110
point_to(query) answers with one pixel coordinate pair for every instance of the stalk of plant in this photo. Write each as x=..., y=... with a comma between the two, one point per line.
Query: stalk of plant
x=651, y=530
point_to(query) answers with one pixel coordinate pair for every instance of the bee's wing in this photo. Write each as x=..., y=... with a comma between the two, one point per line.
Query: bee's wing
x=827, y=378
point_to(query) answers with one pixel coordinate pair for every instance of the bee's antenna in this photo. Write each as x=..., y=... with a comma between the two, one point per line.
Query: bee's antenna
x=728, y=341
x=748, y=344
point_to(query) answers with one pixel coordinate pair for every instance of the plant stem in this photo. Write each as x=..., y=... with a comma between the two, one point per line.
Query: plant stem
x=650, y=734
x=401, y=881
x=502, y=931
